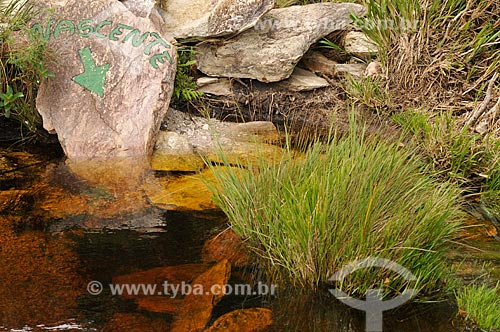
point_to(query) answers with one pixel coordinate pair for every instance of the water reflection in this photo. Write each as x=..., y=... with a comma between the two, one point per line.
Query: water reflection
x=321, y=313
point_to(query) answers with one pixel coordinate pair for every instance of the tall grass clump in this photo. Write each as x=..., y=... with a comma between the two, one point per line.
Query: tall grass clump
x=481, y=305
x=343, y=201
x=22, y=55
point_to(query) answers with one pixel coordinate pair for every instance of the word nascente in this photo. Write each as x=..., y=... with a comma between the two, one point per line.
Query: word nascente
x=117, y=32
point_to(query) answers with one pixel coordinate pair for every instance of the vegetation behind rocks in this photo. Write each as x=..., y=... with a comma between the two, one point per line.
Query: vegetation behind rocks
x=22, y=67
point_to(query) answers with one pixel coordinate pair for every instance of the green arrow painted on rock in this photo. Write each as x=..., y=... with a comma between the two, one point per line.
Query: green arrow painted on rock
x=93, y=76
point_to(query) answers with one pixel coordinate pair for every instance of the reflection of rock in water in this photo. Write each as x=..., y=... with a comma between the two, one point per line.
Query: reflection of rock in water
x=39, y=283
x=149, y=220
x=322, y=312
x=100, y=195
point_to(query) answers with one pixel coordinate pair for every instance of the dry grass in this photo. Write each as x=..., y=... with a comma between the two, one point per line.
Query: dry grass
x=446, y=55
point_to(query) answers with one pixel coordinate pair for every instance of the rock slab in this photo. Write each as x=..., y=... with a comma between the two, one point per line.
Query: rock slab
x=303, y=80
x=212, y=18
x=113, y=79
x=358, y=44
x=189, y=139
x=271, y=49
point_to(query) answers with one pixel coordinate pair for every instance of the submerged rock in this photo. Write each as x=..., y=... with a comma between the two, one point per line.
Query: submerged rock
x=165, y=301
x=113, y=78
x=227, y=245
x=174, y=274
x=244, y=320
x=32, y=263
x=132, y=322
x=197, y=308
x=188, y=192
x=270, y=50
x=212, y=18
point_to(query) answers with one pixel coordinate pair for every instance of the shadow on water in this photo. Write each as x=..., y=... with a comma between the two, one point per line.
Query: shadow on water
x=59, y=232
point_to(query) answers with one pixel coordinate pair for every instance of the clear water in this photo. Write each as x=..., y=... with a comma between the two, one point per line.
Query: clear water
x=47, y=261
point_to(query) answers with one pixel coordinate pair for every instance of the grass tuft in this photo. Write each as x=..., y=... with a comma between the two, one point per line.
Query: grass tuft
x=22, y=55
x=350, y=199
x=481, y=305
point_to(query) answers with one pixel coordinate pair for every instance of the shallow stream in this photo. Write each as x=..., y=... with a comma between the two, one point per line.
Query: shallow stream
x=58, y=233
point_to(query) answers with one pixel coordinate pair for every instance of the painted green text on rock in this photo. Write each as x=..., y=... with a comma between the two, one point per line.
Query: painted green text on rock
x=93, y=76
x=116, y=32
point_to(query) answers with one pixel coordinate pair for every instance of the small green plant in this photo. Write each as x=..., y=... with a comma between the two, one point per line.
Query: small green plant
x=22, y=55
x=461, y=154
x=368, y=91
x=185, y=89
x=326, y=43
x=481, y=305
x=8, y=100
x=458, y=154
x=350, y=199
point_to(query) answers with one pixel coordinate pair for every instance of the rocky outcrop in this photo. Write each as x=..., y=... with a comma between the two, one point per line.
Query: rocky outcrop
x=270, y=50
x=212, y=18
x=319, y=64
x=219, y=87
x=113, y=78
x=189, y=139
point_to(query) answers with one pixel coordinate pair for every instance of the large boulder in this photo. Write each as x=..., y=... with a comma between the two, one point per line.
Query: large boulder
x=212, y=18
x=270, y=50
x=113, y=79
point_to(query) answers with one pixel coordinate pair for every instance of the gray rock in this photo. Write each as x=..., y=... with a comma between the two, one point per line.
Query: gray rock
x=142, y=8
x=222, y=87
x=270, y=50
x=303, y=80
x=173, y=142
x=202, y=81
x=175, y=153
x=354, y=69
x=114, y=74
x=374, y=68
x=240, y=143
x=359, y=45
x=212, y=18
